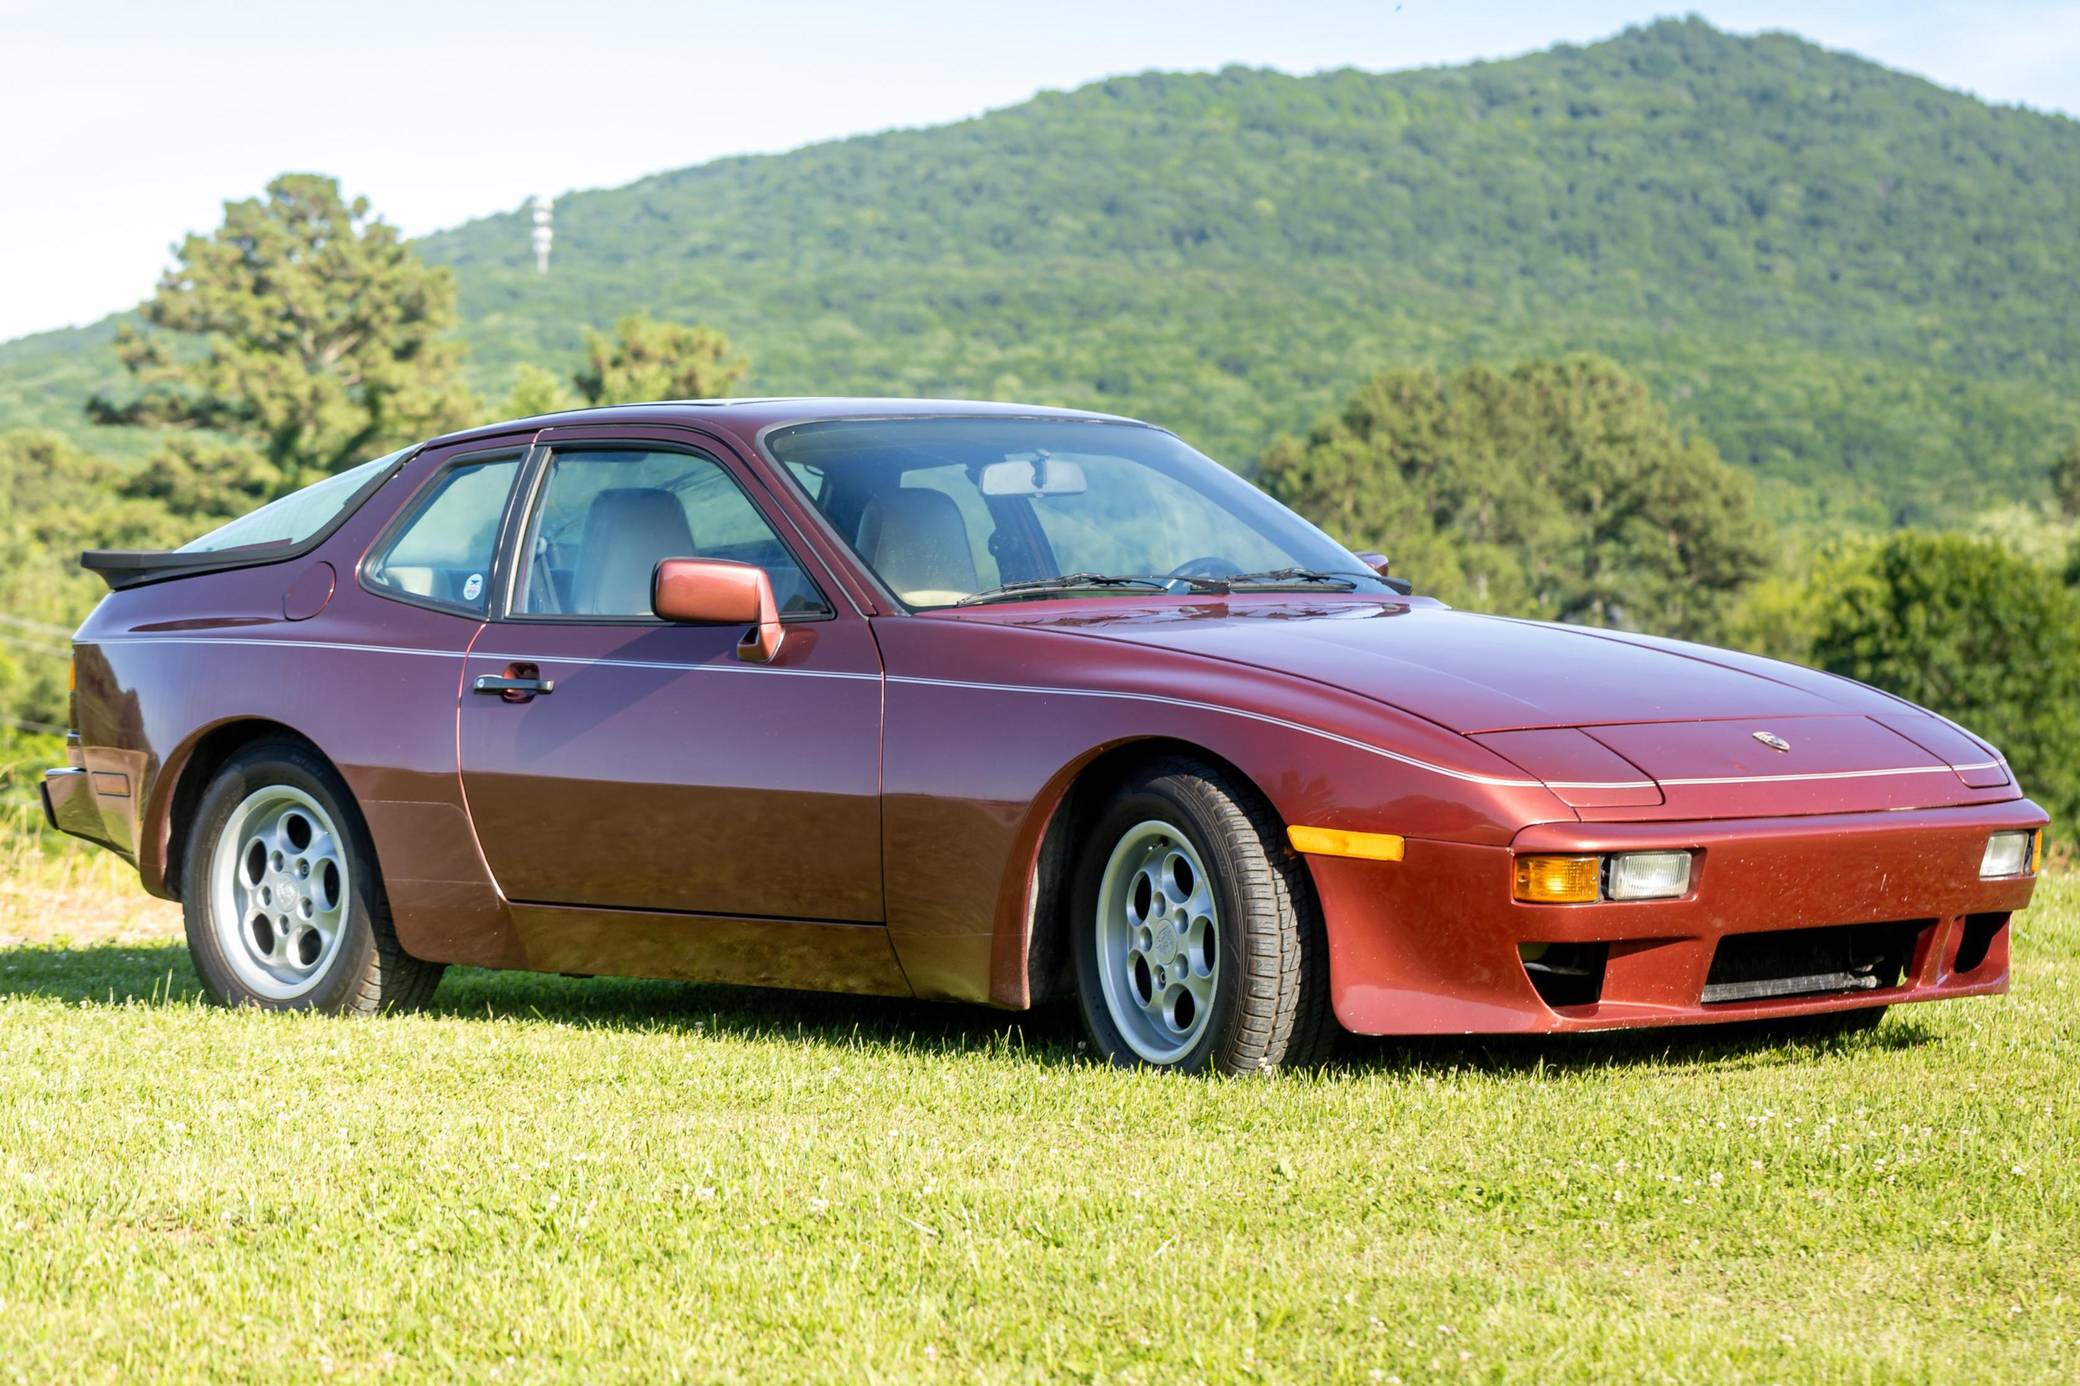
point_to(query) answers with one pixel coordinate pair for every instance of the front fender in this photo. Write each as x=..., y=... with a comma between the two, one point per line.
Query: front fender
x=988, y=727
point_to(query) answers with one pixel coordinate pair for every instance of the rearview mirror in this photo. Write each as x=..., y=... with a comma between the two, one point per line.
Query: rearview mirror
x=1043, y=476
x=717, y=592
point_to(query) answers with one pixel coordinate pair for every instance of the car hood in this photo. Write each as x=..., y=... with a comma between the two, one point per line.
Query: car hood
x=1613, y=722
x=1469, y=672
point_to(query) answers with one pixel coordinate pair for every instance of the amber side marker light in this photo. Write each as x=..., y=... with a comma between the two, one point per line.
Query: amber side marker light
x=1335, y=842
x=1559, y=880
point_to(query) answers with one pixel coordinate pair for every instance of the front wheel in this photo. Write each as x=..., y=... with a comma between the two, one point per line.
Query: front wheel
x=1197, y=942
x=283, y=904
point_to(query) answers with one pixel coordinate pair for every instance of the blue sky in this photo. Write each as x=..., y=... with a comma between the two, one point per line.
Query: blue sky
x=124, y=123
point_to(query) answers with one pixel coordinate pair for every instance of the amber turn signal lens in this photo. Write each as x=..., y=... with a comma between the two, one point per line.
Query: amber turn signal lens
x=1335, y=842
x=1559, y=880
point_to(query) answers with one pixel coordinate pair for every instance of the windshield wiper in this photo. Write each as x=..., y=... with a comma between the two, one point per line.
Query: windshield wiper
x=1073, y=582
x=1298, y=577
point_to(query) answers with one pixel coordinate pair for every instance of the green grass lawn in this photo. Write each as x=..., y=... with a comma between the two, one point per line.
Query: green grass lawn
x=597, y=1180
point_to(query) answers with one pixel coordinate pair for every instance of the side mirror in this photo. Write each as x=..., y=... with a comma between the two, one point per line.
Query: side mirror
x=717, y=592
x=1379, y=563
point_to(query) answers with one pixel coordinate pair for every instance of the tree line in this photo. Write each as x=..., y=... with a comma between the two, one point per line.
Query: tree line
x=303, y=336
x=1857, y=285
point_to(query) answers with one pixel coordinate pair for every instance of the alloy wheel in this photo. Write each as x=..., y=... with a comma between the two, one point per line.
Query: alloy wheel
x=278, y=891
x=1158, y=937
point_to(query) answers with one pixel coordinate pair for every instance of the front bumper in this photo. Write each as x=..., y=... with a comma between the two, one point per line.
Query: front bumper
x=1434, y=943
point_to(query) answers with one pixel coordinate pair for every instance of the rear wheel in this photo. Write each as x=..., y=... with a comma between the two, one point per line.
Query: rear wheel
x=1197, y=944
x=283, y=903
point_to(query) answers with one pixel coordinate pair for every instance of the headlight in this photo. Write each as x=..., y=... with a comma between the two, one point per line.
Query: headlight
x=1648, y=875
x=2008, y=854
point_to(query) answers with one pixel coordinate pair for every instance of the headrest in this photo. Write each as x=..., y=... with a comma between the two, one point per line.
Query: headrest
x=627, y=530
x=917, y=541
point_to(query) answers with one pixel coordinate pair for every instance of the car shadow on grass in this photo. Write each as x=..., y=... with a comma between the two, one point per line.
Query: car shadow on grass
x=155, y=973
x=160, y=974
x=1701, y=1046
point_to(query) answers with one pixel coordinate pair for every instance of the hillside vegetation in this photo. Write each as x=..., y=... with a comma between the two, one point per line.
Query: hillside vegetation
x=1849, y=279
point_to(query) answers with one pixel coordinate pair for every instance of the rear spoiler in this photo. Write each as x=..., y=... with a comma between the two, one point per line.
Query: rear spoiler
x=125, y=568
x=122, y=568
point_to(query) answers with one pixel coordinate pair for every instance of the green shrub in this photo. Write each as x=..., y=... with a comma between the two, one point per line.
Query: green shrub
x=1557, y=489
x=1982, y=636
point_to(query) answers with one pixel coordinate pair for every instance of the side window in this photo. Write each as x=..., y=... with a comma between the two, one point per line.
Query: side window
x=442, y=554
x=606, y=517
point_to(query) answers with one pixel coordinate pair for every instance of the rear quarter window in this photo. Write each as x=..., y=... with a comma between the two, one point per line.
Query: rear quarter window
x=441, y=553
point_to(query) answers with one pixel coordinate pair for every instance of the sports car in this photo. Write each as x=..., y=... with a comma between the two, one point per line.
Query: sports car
x=996, y=704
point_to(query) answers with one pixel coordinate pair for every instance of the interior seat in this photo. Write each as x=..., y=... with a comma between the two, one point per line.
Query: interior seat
x=917, y=541
x=628, y=530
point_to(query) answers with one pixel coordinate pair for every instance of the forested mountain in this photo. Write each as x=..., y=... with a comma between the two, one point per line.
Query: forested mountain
x=1857, y=283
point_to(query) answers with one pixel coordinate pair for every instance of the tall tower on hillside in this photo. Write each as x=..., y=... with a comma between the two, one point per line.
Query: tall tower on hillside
x=544, y=233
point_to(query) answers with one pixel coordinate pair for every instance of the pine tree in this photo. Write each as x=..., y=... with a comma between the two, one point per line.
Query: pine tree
x=647, y=360
x=304, y=332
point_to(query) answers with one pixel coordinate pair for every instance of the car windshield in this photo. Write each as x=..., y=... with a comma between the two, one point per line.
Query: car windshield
x=296, y=516
x=948, y=511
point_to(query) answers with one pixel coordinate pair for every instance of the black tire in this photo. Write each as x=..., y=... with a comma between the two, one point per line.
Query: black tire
x=1270, y=1005
x=368, y=971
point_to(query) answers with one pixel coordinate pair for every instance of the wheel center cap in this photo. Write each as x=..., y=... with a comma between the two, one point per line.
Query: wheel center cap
x=1166, y=941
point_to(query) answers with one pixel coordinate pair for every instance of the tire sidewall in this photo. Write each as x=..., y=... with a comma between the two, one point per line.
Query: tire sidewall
x=257, y=767
x=1157, y=799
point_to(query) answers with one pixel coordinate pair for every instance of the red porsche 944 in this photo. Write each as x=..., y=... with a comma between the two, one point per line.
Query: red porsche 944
x=989, y=703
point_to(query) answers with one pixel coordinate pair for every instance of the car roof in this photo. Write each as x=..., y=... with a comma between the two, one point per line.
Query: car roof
x=747, y=417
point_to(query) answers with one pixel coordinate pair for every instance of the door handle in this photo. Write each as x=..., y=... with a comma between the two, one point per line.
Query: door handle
x=497, y=683
x=516, y=685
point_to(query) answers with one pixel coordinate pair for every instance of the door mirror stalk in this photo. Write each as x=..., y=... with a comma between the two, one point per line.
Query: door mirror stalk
x=1379, y=563
x=717, y=591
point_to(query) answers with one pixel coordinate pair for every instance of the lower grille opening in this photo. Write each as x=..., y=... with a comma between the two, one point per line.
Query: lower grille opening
x=1980, y=930
x=1811, y=962
x=1566, y=974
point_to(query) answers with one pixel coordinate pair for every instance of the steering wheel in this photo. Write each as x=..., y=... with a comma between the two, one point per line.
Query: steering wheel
x=1210, y=565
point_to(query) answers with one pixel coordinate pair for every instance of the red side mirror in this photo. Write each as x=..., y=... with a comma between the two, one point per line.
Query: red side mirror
x=1378, y=562
x=715, y=591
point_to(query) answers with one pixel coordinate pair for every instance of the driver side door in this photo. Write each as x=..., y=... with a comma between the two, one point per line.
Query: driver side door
x=649, y=768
